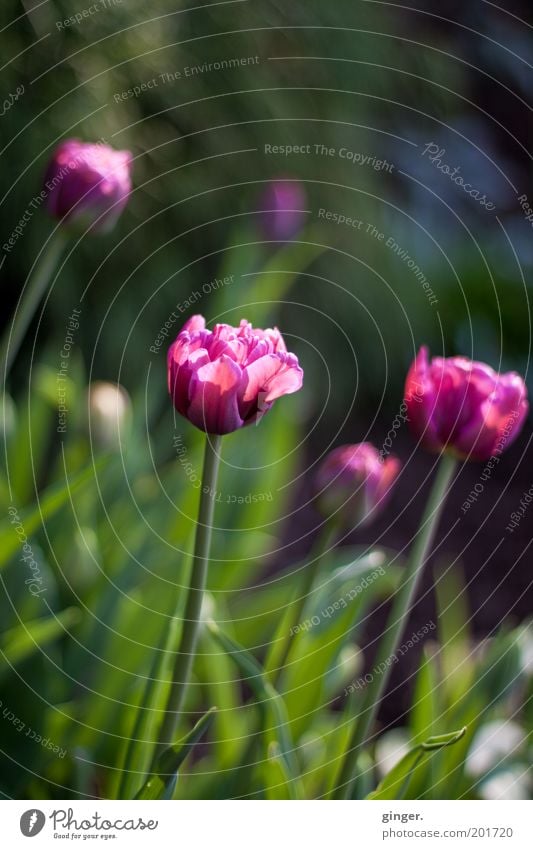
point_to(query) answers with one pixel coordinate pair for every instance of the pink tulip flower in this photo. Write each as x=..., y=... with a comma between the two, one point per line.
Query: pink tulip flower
x=88, y=184
x=353, y=483
x=229, y=377
x=464, y=407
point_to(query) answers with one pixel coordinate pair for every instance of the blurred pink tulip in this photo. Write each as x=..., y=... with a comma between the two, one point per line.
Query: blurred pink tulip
x=464, y=407
x=224, y=379
x=282, y=206
x=353, y=483
x=88, y=184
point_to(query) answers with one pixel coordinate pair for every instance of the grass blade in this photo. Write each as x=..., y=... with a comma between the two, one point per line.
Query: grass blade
x=265, y=693
x=396, y=782
x=162, y=783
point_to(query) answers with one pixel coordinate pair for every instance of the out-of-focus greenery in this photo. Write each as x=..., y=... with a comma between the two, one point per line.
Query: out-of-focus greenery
x=111, y=530
x=85, y=664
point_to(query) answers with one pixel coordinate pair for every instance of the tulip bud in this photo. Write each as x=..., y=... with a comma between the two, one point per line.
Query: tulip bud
x=88, y=185
x=282, y=207
x=464, y=407
x=109, y=414
x=229, y=377
x=353, y=483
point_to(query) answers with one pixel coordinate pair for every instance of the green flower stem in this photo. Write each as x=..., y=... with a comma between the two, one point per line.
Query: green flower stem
x=280, y=649
x=193, y=606
x=34, y=290
x=397, y=621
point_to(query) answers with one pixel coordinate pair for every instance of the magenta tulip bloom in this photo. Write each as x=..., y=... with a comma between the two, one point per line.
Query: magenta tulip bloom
x=353, y=483
x=282, y=210
x=88, y=184
x=464, y=407
x=228, y=377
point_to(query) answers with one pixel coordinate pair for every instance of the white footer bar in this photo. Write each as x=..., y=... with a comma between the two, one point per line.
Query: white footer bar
x=268, y=825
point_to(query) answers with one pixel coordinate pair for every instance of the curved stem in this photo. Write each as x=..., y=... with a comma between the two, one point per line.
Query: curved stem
x=398, y=618
x=193, y=606
x=30, y=299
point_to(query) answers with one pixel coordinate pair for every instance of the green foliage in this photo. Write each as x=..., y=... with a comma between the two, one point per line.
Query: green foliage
x=162, y=783
x=396, y=783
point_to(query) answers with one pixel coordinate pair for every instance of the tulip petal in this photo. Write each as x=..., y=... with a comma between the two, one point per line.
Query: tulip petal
x=420, y=400
x=213, y=403
x=194, y=323
x=266, y=379
x=179, y=377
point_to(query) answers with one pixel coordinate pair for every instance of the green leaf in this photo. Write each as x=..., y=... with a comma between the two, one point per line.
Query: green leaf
x=27, y=638
x=500, y=672
x=30, y=446
x=396, y=782
x=496, y=677
x=276, y=648
x=276, y=779
x=162, y=783
x=316, y=653
x=337, y=744
x=425, y=707
x=254, y=501
x=216, y=670
x=266, y=694
x=453, y=633
x=425, y=717
x=440, y=741
x=139, y=747
x=268, y=286
x=52, y=500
